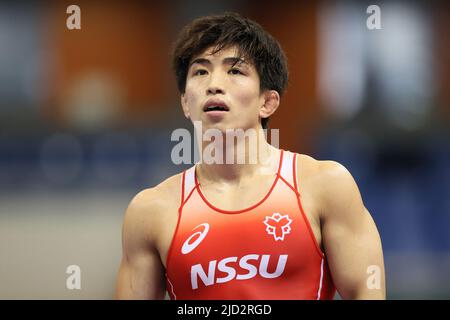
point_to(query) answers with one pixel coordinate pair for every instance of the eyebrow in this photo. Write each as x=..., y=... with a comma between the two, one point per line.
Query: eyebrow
x=229, y=60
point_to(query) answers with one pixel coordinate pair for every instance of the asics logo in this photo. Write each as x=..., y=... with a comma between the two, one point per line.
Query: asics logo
x=188, y=246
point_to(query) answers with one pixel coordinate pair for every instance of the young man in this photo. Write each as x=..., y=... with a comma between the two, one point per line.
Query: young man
x=286, y=226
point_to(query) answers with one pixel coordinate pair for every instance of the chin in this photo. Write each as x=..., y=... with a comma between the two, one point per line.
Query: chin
x=217, y=126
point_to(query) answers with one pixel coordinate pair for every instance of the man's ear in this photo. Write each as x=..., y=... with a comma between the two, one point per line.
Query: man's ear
x=184, y=106
x=271, y=102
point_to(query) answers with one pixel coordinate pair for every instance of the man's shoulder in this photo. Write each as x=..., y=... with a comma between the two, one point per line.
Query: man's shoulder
x=312, y=167
x=330, y=178
x=156, y=200
x=330, y=181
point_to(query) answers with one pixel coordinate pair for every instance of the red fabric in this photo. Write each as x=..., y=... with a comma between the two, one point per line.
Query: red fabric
x=266, y=251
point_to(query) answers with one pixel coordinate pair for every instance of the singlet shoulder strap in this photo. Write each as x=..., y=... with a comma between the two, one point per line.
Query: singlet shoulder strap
x=289, y=169
x=187, y=183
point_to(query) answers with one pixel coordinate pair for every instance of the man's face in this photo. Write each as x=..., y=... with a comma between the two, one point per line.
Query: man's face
x=221, y=95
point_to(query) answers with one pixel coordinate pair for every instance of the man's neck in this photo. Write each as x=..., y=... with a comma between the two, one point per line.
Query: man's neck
x=259, y=158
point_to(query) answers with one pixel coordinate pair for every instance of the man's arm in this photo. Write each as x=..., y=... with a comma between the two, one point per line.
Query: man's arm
x=350, y=237
x=141, y=273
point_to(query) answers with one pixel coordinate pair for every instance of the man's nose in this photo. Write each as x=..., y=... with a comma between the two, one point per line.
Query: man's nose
x=215, y=85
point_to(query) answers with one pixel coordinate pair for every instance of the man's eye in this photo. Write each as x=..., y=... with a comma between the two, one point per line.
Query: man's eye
x=199, y=72
x=235, y=71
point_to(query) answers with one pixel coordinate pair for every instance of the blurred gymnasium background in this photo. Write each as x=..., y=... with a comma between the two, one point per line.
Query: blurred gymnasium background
x=86, y=117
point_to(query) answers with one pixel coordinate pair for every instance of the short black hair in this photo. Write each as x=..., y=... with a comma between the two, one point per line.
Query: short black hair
x=221, y=31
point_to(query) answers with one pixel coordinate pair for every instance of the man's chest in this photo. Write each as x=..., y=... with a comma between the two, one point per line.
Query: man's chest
x=233, y=200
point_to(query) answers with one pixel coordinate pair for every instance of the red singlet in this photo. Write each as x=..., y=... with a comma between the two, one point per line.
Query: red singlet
x=266, y=251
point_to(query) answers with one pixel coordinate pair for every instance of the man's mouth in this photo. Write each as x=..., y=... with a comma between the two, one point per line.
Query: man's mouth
x=215, y=105
x=216, y=108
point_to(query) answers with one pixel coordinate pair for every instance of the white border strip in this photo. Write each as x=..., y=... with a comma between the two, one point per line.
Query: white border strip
x=171, y=285
x=321, y=278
